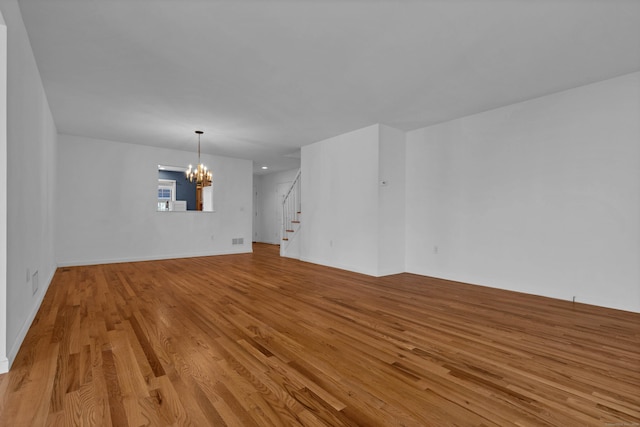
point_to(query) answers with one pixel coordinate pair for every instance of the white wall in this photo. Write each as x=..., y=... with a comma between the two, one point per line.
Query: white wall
x=267, y=228
x=541, y=197
x=340, y=201
x=350, y=218
x=31, y=144
x=391, y=202
x=4, y=361
x=106, y=205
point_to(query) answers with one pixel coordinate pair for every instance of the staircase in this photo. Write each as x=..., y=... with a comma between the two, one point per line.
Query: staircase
x=291, y=210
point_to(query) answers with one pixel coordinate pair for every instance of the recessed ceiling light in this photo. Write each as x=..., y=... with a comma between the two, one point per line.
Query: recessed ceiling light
x=265, y=167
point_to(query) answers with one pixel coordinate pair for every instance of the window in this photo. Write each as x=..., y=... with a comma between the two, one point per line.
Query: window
x=166, y=194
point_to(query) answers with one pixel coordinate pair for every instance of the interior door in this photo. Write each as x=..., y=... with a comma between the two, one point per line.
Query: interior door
x=254, y=226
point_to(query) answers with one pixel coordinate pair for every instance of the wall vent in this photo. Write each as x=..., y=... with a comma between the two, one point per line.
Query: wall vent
x=237, y=241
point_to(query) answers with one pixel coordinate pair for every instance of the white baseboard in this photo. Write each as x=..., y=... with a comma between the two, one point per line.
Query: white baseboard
x=560, y=294
x=339, y=266
x=13, y=351
x=243, y=250
x=390, y=272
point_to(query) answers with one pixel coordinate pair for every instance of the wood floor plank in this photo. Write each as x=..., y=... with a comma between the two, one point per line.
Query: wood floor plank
x=256, y=339
x=117, y=411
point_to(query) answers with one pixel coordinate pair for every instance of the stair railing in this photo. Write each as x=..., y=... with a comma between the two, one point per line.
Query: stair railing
x=291, y=208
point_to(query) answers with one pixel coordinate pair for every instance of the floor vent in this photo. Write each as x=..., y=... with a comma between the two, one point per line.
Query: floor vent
x=237, y=241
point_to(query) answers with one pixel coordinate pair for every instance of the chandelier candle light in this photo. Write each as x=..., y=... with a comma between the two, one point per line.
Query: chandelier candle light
x=201, y=175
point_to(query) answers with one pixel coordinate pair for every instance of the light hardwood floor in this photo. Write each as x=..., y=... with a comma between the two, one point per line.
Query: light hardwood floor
x=255, y=339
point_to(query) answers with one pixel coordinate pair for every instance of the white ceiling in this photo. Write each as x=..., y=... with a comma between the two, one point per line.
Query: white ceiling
x=263, y=78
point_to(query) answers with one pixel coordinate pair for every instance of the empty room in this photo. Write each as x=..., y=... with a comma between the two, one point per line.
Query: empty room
x=319, y=213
